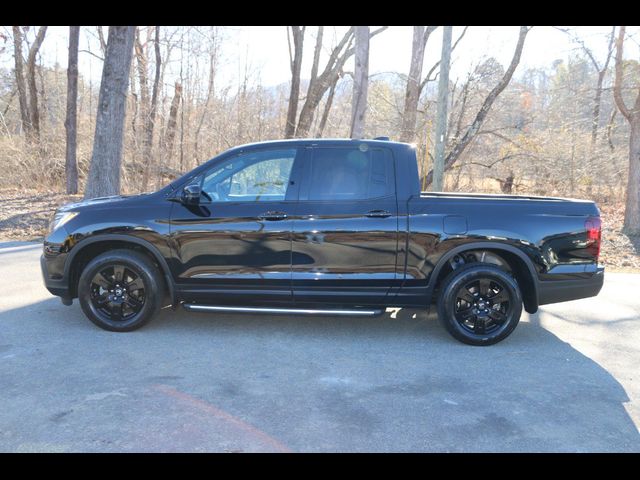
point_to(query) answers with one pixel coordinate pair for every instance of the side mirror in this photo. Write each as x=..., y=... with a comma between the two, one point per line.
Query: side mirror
x=191, y=194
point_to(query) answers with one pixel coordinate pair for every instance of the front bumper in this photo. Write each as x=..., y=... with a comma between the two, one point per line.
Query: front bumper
x=56, y=286
x=554, y=291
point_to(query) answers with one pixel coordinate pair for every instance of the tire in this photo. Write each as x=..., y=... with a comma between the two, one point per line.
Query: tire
x=134, y=302
x=467, y=304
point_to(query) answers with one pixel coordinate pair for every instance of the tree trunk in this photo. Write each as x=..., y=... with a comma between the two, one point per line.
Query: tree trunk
x=31, y=79
x=150, y=120
x=104, y=171
x=103, y=44
x=412, y=93
x=595, y=114
x=21, y=83
x=142, y=65
x=632, y=204
x=296, y=67
x=320, y=84
x=173, y=119
x=414, y=82
x=210, y=94
x=71, y=122
x=327, y=109
x=360, y=83
x=308, y=111
x=473, y=129
x=441, y=115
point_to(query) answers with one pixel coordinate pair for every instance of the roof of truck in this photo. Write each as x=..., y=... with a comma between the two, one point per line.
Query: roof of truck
x=318, y=141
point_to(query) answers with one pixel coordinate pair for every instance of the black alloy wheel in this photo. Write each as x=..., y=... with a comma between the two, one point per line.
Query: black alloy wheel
x=479, y=304
x=482, y=306
x=121, y=290
x=117, y=292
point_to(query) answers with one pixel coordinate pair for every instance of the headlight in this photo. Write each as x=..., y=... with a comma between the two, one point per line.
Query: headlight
x=60, y=218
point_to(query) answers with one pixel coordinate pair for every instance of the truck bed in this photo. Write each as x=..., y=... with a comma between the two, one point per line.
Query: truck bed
x=497, y=196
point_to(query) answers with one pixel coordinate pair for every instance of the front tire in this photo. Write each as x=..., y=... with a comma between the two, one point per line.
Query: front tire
x=479, y=304
x=121, y=290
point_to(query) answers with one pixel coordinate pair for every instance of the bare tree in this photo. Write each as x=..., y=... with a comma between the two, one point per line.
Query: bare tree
x=170, y=134
x=473, y=129
x=31, y=80
x=150, y=118
x=213, y=56
x=104, y=171
x=143, y=82
x=360, y=82
x=103, y=43
x=20, y=81
x=632, y=205
x=71, y=121
x=421, y=35
x=327, y=107
x=441, y=115
x=295, y=59
x=320, y=83
x=602, y=72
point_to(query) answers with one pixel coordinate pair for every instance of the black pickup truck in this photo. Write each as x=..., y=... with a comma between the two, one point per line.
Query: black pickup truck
x=322, y=226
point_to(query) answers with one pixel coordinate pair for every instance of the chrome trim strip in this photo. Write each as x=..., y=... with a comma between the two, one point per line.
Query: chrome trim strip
x=217, y=308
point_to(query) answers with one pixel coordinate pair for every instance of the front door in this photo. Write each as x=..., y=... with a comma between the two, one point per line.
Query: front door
x=237, y=241
x=345, y=232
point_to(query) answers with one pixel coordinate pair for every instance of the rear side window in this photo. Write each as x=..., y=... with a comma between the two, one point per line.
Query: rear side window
x=350, y=174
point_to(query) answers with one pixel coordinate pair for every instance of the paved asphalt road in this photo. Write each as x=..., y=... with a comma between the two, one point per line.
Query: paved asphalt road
x=566, y=380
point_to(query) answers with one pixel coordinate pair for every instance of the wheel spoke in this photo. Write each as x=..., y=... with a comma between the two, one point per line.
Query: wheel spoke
x=134, y=303
x=136, y=284
x=118, y=272
x=101, y=280
x=116, y=312
x=101, y=300
x=466, y=295
x=484, y=286
x=497, y=316
x=465, y=314
x=478, y=326
x=500, y=297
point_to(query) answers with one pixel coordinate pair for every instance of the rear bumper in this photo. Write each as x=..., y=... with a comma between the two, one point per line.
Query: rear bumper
x=554, y=291
x=58, y=287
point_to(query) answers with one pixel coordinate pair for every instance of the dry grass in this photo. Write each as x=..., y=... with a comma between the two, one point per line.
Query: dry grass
x=619, y=253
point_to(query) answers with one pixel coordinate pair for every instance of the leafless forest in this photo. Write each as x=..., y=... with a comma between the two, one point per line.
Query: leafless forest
x=569, y=129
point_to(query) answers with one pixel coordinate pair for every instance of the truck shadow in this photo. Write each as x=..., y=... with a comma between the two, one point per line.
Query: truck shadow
x=397, y=382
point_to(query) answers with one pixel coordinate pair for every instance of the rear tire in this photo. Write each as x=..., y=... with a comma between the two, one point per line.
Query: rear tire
x=121, y=290
x=479, y=304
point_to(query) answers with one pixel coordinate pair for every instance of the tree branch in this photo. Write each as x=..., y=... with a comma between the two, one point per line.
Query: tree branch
x=427, y=33
x=428, y=78
x=617, y=85
x=92, y=54
x=472, y=130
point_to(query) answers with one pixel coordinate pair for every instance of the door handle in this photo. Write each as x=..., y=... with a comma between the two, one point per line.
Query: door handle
x=272, y=216
x=378, y=214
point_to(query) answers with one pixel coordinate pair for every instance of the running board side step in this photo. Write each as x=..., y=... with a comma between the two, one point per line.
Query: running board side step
x=282, y=311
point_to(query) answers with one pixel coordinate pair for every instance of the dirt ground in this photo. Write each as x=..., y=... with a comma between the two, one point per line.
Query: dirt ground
x=25, y=215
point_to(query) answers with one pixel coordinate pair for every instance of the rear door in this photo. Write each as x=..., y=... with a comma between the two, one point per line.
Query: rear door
x=345, y=230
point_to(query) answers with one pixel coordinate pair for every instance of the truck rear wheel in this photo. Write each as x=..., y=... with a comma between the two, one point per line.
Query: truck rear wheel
x=479, y=304
x=120, y=290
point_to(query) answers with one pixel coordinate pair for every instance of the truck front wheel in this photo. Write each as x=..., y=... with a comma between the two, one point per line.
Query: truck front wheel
x=120, y=290
x=479, y=304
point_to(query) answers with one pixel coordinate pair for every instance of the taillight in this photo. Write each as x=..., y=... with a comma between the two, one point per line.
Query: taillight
x=593, y=226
